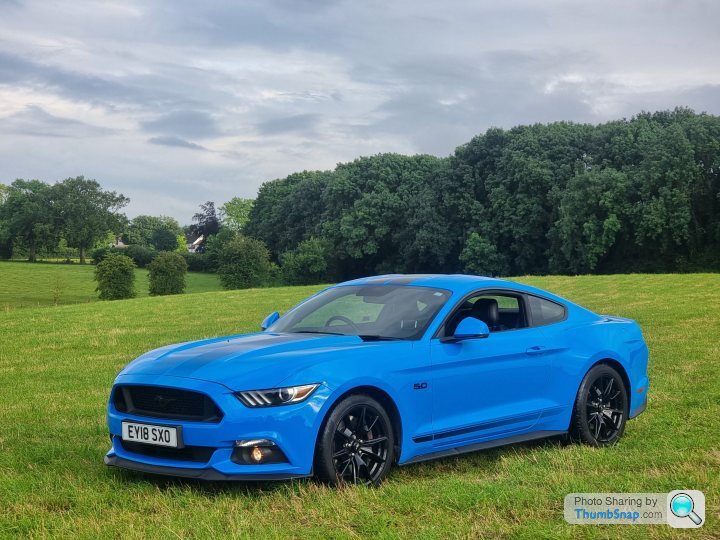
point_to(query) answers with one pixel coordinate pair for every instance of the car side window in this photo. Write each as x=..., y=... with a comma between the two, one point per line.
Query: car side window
x=544, y=311
x=500, y=311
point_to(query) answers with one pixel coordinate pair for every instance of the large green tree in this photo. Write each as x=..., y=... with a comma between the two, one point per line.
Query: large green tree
x=235, y=213
x=30, y=217
x=87, y=212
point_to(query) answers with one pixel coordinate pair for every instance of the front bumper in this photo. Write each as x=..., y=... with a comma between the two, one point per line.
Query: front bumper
x=293, y=428
x=208, y=474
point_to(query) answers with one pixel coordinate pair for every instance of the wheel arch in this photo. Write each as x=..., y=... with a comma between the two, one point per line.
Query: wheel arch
x=617, y=366
x=379, y=395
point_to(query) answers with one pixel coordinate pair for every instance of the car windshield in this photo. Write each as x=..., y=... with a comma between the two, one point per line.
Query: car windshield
x=373, y=312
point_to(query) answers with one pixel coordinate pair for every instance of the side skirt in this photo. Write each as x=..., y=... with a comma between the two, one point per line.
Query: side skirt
x=484, y=445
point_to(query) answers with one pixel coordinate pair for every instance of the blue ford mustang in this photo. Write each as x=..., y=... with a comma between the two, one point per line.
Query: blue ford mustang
x=379, y=371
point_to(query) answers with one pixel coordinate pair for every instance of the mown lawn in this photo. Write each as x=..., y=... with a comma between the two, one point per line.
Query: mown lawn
x=24, y=284
x=58, y=363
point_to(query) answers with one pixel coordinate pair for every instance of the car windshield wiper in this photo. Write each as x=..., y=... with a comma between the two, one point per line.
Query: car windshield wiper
x=371, y=337
x=317, y=332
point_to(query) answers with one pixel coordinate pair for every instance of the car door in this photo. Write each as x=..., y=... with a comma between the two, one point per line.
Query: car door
x=489, y=387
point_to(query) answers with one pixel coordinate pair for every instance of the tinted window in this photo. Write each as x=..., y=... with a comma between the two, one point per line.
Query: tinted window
x=379, y=311
x=544, y=311
x=499, y=311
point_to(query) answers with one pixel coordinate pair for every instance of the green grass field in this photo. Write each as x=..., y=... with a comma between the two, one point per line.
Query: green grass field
x=57, y=365
x=24, y=284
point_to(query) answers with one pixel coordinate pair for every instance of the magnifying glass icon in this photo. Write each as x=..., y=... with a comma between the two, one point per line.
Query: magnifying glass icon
x=682, y=506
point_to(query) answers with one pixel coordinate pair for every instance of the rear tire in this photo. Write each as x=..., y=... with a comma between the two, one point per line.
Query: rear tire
x=601, y=408
x=356, y=444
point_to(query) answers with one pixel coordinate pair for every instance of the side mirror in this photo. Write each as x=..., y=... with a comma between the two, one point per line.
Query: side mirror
x=270, y=320
x=469, y=328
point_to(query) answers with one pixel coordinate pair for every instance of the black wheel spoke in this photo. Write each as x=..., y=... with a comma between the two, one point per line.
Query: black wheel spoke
x=372, y=442
x=361, y=421
x=342, y=452
x=347, y=464
x=368, y=429
x=345, y=432
x=608, y=388
x=370, y=455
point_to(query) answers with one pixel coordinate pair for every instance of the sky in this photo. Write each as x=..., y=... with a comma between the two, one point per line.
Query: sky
x=176, y=102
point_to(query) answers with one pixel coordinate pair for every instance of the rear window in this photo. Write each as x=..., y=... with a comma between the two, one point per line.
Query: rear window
x=545, y=311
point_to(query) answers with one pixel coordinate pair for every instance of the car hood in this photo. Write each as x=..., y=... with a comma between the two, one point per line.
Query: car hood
x=242, y=362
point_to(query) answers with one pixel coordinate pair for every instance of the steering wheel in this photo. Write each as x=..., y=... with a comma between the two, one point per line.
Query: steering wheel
x=342, y=319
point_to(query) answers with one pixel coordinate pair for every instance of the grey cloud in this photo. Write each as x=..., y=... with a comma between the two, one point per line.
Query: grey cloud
x=175, y=141
x=298, y=123
x=183, y=123
x=35, y=121
x=147, y=91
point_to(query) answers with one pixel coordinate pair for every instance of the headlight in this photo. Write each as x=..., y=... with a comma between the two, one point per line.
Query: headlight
x=276, y=396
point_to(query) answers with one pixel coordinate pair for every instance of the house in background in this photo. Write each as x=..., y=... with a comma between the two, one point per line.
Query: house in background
x=119, y=244
x=196, y=244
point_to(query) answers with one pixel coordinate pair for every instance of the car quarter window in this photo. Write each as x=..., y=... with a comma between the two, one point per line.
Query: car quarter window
x=500, y=310
x=545, y=311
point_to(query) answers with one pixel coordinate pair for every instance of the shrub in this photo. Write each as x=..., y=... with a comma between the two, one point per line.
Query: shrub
x=244, y=262
x=164, y=240
x=167, y=273
x=98, y=254
x=307, y=263
x=275, y=276
x=196, y=262
x=115, y=276
x=142, y=255
x=215, y=244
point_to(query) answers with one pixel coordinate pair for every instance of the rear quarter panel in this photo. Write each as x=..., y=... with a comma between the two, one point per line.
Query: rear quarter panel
x=584, y=340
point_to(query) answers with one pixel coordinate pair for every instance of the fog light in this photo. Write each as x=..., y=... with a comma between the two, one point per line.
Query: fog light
x=257, y=452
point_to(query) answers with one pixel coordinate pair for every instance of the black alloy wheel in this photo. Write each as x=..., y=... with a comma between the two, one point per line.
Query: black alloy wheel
x=601, y=407
x=356, y=445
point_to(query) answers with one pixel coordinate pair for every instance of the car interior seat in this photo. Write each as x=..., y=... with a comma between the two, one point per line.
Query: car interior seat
x=487, y=310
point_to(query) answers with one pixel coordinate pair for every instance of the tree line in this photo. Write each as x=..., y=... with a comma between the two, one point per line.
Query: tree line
x=633, y=195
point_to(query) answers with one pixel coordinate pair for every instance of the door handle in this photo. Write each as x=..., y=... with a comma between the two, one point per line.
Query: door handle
x=537, y=349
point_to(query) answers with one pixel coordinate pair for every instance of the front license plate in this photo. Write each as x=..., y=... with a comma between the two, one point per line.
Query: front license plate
x=150, y=434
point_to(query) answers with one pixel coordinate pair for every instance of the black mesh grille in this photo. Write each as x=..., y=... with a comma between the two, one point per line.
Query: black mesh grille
x=160, y=402
x=198, y=454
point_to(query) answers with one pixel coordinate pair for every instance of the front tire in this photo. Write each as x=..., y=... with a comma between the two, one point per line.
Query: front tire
x=356, y=445
x=601, y=407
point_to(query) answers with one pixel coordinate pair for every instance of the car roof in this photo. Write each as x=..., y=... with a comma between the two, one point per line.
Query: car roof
x=452, y=282
x=457, y=283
